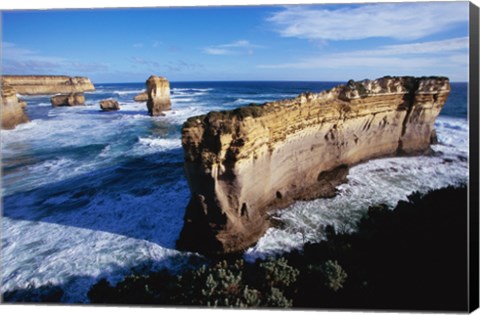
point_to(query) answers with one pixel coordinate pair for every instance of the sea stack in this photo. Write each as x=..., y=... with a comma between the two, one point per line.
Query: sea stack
x=72, y=99
x=241, y=163
x=158, y=90
x=48, y=84
x=12, y=109
x=109, y=105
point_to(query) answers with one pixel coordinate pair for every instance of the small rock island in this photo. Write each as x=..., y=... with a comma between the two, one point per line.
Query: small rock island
x=158, y=93
x=241, y=163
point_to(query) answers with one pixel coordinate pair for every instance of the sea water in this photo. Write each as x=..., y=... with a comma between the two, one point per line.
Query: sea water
x=90, y=194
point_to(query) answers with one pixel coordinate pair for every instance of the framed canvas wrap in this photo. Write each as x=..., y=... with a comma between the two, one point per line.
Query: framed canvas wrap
x=319, y=156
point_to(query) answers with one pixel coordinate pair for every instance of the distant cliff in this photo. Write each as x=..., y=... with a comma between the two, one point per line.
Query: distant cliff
x=12, y=109
x=48, y=84
x=243, y=162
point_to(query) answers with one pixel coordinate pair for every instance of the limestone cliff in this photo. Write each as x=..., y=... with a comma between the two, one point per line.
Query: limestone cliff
x=12, y=109
x=48, y=84
x=158, y=91
x=241, y=163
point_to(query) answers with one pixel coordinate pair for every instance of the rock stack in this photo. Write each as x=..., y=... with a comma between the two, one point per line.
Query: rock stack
x=241, y=163
x=72, y=99
x=109, y=105
x=158, y=91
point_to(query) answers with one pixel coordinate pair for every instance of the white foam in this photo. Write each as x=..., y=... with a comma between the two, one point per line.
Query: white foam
x=126, y=92
x=182, y=100
x=378, y=181
x=192, y=89
x=123, y=232
x=97, y=91
x=243, y=101
x=155, y=145
x=44, y=104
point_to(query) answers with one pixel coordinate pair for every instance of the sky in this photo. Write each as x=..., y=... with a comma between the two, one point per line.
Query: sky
x=297, y=42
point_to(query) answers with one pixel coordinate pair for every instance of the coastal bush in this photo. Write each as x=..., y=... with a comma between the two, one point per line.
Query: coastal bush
x=334, y=275
x=277, y=273
x=409, y=258
x=223, y=284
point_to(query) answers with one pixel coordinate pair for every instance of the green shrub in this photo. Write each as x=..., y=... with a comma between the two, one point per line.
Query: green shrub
x=334, y=275
x=276, y=298
x=277, y=273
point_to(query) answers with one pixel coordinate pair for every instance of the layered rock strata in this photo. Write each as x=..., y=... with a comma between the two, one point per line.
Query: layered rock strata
x=48, y=84
x=109, y=105
x=242, y=163
x=12, y=109
x=72, y=99
x=158, y=91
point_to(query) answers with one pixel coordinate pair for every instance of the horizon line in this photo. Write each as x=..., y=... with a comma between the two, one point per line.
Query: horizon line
x=218, y=81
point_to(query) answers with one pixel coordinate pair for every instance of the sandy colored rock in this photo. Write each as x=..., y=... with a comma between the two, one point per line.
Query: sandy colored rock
x=240, y=164
x=109, y=105
x=142, y=97
x=12, y=109
x=68, y=99
x=48, y=84
x=158, y=91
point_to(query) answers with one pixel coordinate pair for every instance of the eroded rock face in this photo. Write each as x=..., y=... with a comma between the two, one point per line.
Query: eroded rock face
x=12, y=109
x=108, y=105
x=158, y=91
x=241, y=163
x=48, y=84
x=72, y=99
x=141, y=97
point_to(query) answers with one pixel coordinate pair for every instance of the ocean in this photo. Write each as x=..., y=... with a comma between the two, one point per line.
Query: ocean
x=90, y=194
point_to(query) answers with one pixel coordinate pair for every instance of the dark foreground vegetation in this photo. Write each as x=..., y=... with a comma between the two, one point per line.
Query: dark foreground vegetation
x=414, y=257
x=411, y=258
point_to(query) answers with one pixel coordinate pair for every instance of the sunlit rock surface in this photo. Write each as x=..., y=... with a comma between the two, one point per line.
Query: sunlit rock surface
x=242, y=163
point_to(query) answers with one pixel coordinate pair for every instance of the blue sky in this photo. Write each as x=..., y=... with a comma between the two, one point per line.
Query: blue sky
x=302, y=42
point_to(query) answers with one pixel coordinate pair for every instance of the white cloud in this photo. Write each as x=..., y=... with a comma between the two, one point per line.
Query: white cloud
x=435, y=47
x=394, y=20
x=388, y=55
x=19, y=60
x=217, y=51
x=446, y=57
x=137, y=45
x=239, y=47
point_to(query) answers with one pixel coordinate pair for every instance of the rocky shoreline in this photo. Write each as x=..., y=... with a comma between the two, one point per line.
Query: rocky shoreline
x=241, y=163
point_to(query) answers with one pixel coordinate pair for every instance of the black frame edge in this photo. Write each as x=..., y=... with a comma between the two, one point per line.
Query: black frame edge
x=473, y=283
